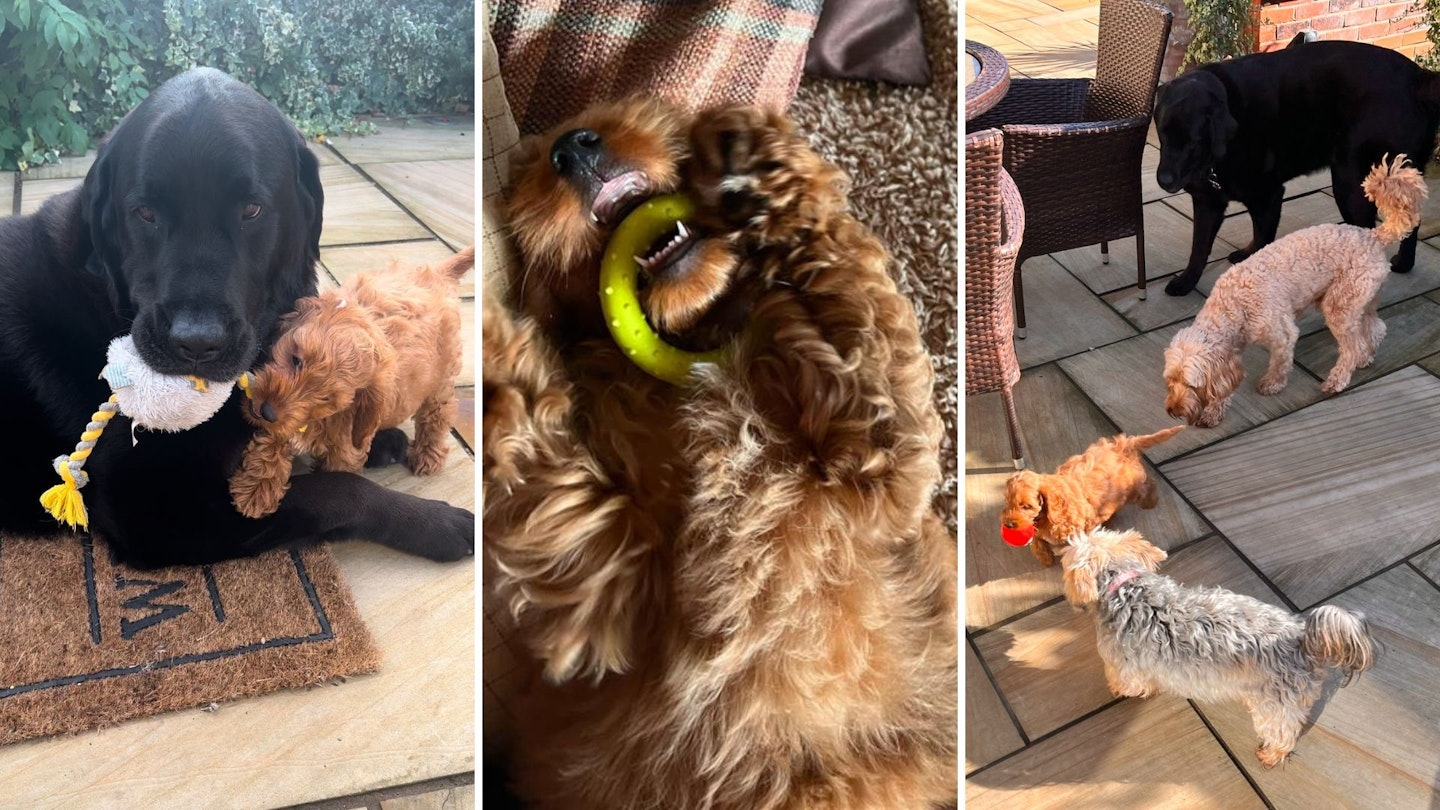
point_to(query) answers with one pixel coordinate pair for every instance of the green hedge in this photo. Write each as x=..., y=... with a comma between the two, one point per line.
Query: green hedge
x=69, y=69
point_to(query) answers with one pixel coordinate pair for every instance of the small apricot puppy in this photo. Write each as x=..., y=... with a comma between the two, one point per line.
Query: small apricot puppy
x=1157, y=635
x=1082, y=494
x=737, y=589
x=350, y=365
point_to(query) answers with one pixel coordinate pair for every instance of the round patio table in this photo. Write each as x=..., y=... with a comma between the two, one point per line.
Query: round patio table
x=987, y=78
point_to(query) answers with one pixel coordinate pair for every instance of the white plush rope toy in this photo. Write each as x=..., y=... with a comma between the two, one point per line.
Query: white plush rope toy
x=152, y=400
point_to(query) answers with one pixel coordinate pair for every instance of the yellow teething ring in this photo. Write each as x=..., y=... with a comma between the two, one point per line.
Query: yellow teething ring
x=620, y=302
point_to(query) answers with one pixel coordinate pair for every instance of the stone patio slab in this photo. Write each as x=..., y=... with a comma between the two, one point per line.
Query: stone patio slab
x=34, y=193
x=440, y=192
x=356, y=212
x=1158, y=309
x=1379, y=736
x=404, y=140
x=1062, y=317
x=989, y=731
x=1126, y=380
x=1167, y=249
x=1152, y=753
x=1306, y=496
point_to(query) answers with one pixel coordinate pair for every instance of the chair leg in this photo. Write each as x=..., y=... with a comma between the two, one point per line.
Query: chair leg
x=1012, y=421
x=1019, y=303
x=1140, y=256
x=1104, y=252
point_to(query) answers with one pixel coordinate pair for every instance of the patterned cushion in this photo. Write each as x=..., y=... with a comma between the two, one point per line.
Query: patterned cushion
x=560, y=56
x=501, y=137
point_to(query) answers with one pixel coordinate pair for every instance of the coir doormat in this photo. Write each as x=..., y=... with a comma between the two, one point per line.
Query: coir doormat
x=86, y=642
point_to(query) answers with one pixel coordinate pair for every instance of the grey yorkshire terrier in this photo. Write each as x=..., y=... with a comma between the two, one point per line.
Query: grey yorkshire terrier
x=1156, y=635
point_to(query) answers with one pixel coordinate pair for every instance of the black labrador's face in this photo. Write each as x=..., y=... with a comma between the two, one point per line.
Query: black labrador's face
x=204, y=210
x=1192, y=118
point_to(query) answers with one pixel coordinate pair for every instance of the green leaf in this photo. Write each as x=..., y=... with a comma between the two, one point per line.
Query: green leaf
x=68, y=36
x=50, y=20
x=22, y=12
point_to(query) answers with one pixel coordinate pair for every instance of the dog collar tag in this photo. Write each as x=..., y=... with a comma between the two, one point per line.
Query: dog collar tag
x=1214, y=180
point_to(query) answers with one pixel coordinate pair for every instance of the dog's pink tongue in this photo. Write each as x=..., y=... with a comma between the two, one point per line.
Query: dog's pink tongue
x=617, y=191
x=1017, y=537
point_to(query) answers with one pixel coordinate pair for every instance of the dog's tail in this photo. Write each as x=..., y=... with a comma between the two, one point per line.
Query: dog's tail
x=1151, y=439
x=1339, y=638
x=1398, y=191
x=457, y=265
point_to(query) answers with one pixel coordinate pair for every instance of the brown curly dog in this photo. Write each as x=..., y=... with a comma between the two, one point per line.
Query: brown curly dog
x=1083, y=493
x=737, y=590
x=350, y=366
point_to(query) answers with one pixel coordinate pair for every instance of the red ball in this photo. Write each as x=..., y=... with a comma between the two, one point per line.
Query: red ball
x=1017, y=537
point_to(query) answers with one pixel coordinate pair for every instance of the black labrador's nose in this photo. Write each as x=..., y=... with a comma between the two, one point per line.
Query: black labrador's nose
x=575, y=151
x=197, y=338
x=1166, y=179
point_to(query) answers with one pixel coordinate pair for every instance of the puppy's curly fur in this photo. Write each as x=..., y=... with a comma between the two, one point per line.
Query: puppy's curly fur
x=737, y=590
x=1156, y=635
x=1082, y=493
x=1338, y=267
x=348, y=364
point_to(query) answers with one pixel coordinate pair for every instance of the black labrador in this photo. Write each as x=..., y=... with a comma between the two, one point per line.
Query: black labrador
x=1238, y=129
x=195, y=230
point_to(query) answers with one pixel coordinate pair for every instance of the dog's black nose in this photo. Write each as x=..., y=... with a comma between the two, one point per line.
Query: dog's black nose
x=576, y=151
x=1166, y=179
x=267, y=412
x=197, y=339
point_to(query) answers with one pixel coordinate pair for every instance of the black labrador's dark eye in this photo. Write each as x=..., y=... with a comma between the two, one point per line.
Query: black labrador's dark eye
x=145, y=213
x=251, y=211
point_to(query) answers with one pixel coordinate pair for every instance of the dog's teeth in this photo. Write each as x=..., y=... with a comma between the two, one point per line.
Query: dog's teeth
x=680, y=226
x=641, y=261
x=594, y=217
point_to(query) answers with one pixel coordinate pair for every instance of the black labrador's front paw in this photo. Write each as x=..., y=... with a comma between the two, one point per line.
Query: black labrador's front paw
x=1238, y=256
x=388, y=447
x=1181, y=284
x=1402, y=263
x=438, y=532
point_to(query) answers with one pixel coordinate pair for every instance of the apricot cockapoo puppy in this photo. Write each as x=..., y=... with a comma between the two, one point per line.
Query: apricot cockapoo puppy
x=737, y=589
x=1082, y=494
x=350, y=365
x=1338, y=267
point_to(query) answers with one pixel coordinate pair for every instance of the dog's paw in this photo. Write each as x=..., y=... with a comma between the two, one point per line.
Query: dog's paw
x=442, y=533
x=1268, y=386
x=258, y=497
x=1400, y=264
x=1180, y=285
x=1238, y=256
x=426, y=460
x=1269, y=756
x=388, y=447
x=1334, y=386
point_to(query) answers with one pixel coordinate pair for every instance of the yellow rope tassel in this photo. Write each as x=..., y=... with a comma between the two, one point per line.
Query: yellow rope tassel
x=63, y=500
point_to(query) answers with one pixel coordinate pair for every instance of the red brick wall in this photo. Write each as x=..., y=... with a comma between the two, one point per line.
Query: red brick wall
x=1398, y=26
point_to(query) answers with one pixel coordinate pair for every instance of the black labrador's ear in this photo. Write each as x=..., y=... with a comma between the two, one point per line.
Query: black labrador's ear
x=312, y=196
x=1222, y=128
x=97, y=215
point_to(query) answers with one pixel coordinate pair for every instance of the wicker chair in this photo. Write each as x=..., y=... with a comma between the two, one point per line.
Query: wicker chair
x=994, y=227
x=1074, y=145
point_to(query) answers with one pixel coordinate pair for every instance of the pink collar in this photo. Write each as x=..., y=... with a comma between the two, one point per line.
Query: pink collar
x=1122, y=578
